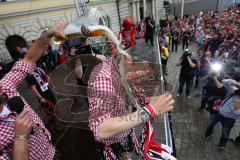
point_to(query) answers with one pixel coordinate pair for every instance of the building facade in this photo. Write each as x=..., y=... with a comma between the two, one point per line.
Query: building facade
x=25, y=19
x=195, y=6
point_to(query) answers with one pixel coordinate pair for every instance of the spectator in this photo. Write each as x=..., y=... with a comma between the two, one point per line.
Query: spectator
x=175, y=37
x=204, y=68
x=185, y=39
x=149, y=29
x=211, y=90
x=227, y=112
x=40, y=84
x=164, y=57
x=187, y=71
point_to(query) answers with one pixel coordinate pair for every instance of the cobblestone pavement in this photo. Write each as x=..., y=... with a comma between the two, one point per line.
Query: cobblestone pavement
x=188, y=124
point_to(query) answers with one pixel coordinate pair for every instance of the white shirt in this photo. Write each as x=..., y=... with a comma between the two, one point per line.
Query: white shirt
x=5, y=111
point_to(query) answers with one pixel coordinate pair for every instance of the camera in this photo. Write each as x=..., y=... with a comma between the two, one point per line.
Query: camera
x=185, y=55
x=216, y=67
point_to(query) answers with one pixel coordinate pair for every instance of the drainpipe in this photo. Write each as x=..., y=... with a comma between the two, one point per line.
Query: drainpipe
x=217, y=7
x=119, y=17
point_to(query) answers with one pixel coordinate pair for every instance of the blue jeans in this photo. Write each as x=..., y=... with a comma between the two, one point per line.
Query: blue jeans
x=201, y=84
x=227, y=125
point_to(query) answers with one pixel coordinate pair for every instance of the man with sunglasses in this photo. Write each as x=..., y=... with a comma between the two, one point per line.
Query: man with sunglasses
x=39, y=144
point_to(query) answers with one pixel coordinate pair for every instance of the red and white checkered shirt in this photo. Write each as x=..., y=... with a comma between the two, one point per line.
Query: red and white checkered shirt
x=39, y=144
x=106, y=98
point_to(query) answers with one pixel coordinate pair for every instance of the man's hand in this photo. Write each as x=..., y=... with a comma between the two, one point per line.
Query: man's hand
x=58, y=29
x=36, y=49
x=42, y=100
x=23, y=124
x=163, y=103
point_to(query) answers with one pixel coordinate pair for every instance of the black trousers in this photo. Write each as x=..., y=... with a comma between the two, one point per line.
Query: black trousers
x=227, y=125
x=185, y=80
x=48, y=95
x=164, y=65
x=174, y=45
x=149, y=36
x=184, y=43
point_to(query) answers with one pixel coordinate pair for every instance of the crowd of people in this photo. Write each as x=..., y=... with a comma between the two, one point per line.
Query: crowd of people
x=215, y=66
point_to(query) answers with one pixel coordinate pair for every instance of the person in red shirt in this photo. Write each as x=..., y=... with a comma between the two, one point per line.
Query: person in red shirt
x=128, y=33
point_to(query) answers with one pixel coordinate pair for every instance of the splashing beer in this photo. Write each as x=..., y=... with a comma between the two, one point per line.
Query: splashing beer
x=73, y=31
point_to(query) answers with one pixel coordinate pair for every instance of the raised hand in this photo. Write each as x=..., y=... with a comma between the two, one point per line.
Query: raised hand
x=58, y=29
x=163, y=103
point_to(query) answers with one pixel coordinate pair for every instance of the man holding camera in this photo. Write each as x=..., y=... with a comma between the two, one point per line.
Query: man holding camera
x=227, y=112
x=188, y=68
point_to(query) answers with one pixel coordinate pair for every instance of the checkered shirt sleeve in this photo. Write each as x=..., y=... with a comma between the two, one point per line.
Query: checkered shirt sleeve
x=106, y=99
x=40, y=147
x=100, y=91
x=5, y=136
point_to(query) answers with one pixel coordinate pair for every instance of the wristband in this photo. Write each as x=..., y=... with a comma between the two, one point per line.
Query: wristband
x=150, y=111
x=21, y=137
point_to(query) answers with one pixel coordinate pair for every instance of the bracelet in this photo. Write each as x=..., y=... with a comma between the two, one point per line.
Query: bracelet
x=150, y=110
x=21, y=137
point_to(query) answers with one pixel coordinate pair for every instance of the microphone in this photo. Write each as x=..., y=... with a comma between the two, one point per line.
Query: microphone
x=16, y=104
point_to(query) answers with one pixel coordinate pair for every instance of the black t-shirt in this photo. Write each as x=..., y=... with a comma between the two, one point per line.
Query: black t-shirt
x=214, y=44
x=32, y=81
x=186, y=35
x=149, y=28
x=187, y=70
x=212, y=90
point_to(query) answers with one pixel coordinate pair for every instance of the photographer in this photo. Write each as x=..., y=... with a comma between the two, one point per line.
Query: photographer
x=227, y=112
x=188, y=68
x=204, y=69
x=212, y=91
